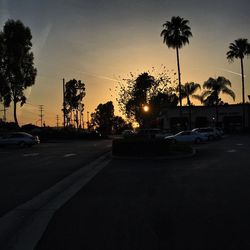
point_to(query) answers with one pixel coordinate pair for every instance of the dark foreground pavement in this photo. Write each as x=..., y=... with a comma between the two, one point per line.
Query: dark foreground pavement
x=197, y=203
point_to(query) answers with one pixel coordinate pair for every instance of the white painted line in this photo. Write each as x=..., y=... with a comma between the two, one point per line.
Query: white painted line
x=231, y=151
x=31, y=154
x=239, y=144
x=69, y=155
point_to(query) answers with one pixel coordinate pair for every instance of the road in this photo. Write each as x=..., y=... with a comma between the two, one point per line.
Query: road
x=193, y=203
x=24, y=173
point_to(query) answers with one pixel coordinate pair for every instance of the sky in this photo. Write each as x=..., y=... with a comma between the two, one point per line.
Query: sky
x=101, y=41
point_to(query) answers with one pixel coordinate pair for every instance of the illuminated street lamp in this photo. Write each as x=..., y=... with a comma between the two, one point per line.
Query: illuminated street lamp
x=145, y=108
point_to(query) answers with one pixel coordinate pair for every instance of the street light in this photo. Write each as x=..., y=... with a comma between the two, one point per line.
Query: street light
x=146, y=108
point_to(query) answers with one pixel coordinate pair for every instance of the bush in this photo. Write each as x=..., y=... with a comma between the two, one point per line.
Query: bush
x=8, y=126
x=139, y=147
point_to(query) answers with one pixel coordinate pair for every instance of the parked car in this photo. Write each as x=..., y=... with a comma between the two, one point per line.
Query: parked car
x=20, y=139
x=211, y=132
x=187, y=136
x=220, y=131
x=128, y=133
x=152, y=133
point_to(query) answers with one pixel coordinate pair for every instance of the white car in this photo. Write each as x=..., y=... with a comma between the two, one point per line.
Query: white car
x=211, y=132
x=20, y=139
x=187, y=136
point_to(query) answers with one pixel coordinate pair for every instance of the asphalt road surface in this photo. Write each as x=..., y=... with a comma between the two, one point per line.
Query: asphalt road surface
x=196, y=203
x=24, y=173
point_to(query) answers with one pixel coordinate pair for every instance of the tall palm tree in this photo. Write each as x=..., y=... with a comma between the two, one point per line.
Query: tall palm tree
x=238, y=50
x=176, y=34
x=213, y=88
x=188, y=91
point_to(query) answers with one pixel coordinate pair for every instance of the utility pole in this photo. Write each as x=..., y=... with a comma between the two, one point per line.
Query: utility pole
x=41, y=114
x=63, y=103
x=57, y=121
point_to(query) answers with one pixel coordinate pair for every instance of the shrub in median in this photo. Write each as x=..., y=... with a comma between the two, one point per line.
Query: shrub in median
x=139, y=147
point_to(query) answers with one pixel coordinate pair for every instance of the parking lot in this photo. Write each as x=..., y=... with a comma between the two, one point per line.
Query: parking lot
x=25, y=172
x=193, y=203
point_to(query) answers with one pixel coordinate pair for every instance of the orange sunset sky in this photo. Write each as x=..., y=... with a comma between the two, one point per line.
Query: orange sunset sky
x=99, y=41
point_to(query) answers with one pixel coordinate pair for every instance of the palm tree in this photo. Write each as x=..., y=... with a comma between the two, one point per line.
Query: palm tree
x=188, y=90
x=176, y=34
x=239, y=49
x=213, y=88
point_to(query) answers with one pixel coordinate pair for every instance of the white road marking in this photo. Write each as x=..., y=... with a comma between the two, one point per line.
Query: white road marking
x=69, y=155
x=31, y=154
x=239, y=144
x=231, y=151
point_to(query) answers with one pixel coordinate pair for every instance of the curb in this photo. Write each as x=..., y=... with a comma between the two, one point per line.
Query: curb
x=174, y=157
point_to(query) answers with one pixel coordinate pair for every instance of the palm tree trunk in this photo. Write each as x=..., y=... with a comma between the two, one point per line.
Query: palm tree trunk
x=189, y=113
x=15, y=109
x=179, y=79
x=243, y=93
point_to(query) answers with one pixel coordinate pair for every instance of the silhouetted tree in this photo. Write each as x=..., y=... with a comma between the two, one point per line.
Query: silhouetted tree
x=102, y=118
x=176, y=34
x=162, y=101
x=213, y=88
x=74, y=94
x=4, y=87
x=119, y=124
x=138, y=91
x=17, y=68
x=188, y=91
x=238, y=50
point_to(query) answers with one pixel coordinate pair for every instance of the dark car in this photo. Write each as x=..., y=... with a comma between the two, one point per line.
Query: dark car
x=20, y=139
x=152, y=133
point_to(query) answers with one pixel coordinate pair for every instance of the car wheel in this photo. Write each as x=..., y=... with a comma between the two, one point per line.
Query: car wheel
x=210, y=137
x=197, y=140
x=173, y=140
x=22, y=144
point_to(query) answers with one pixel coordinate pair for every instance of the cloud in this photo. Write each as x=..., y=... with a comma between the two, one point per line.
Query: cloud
x=232, y=72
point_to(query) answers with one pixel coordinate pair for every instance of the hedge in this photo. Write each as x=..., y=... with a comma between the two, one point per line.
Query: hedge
x=136, y=147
